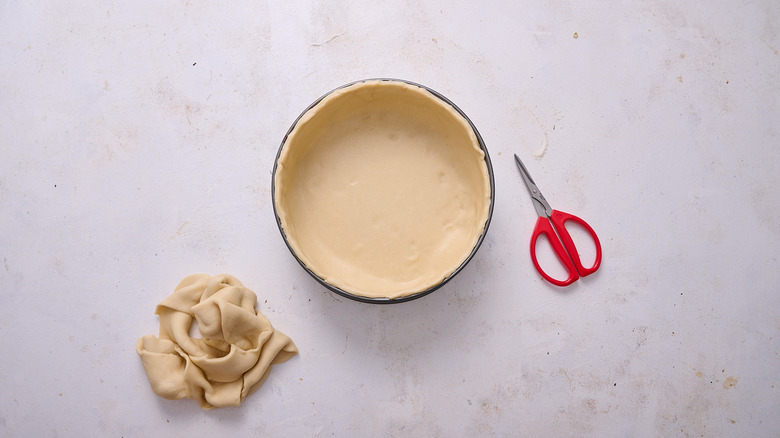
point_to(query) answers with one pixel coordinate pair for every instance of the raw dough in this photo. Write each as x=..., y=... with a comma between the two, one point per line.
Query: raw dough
x=382, y=189
x=234, y=355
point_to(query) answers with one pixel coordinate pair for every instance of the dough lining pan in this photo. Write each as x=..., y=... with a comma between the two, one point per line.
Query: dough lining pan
x=383, y=190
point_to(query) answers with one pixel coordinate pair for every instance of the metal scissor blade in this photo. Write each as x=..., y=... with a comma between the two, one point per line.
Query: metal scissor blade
x=540, y=204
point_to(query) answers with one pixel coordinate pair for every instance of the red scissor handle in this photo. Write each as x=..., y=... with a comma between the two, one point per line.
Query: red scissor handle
x=567, y=252
x=559, y=219
x=543, y=227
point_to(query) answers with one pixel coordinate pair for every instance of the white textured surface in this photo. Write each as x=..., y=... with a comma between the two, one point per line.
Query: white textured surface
x=137, y=141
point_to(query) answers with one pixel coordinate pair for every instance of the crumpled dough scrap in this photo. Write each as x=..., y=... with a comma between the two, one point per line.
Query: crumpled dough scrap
x=234, y=355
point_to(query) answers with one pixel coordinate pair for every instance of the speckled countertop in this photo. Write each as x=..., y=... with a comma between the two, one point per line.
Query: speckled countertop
x=137, y=142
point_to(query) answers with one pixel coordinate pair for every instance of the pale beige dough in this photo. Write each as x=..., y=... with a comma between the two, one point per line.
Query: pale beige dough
x=234, y=355
x=382, y=189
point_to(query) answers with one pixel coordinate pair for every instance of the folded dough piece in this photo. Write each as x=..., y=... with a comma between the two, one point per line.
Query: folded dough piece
x=234, y=355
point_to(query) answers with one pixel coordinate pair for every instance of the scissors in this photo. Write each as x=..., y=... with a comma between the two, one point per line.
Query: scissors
x=551, y=222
